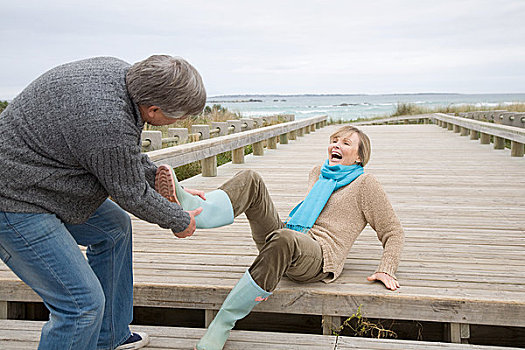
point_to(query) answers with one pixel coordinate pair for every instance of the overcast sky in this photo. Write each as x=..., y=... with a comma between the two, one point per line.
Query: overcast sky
x=469, y=46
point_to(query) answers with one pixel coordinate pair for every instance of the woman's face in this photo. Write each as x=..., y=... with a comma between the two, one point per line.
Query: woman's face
x=343, y=150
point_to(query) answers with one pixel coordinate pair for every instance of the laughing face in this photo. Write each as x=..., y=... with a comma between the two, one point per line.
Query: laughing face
x=343, y=150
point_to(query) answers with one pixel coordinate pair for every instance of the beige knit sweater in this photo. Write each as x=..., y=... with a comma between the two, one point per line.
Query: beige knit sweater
x=344, y=217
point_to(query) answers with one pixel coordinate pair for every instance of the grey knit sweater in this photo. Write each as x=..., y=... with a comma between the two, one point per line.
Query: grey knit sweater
x=72, y=138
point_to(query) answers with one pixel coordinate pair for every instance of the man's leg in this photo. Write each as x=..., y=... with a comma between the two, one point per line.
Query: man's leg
x=248, y=194
x=40, y=250
x=107, y=234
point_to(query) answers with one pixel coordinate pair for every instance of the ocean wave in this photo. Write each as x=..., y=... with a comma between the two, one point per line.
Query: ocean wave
x=314, y=111
x=262, y=113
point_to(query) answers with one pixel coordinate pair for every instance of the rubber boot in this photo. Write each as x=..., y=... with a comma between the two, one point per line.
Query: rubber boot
x=217, y=209
x=241, y=300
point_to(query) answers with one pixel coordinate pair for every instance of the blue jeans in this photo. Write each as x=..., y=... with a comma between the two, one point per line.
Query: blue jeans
x=90, y=302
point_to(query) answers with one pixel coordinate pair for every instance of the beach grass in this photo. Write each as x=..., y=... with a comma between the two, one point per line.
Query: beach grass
x=216, y=113
x=3, y=105
x=413, y=109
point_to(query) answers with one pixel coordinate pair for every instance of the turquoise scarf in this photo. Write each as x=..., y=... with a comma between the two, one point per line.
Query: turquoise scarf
x=304, y=215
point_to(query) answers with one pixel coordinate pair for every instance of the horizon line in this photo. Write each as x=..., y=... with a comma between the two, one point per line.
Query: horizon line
x=361, y=94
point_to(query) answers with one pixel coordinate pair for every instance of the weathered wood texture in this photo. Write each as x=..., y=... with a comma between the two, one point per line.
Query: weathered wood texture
x=512, y=133
x=461, y=204
x=191, y=152
x=18, y=335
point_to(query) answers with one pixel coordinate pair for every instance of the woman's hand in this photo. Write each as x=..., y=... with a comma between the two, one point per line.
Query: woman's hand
x=195, y=193
x=389, y=281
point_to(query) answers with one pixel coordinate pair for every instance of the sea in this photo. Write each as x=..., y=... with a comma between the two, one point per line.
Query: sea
x=351, y=107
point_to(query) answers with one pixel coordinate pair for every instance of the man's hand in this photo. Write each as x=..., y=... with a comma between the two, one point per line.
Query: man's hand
x=191, y=227
x=389, y=281
x=195, y=193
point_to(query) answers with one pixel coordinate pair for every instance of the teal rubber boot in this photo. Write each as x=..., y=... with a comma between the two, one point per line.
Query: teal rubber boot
x=241, y=300
x=217, y=209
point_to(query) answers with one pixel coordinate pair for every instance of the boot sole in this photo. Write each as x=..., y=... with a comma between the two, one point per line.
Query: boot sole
x=165, y=183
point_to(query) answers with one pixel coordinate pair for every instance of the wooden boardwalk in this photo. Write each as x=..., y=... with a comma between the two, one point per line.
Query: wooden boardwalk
x=461, y=204
x=24, y=335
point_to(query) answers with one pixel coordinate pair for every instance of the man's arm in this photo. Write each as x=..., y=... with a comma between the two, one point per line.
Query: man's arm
x=150, y=169
x=120, y=170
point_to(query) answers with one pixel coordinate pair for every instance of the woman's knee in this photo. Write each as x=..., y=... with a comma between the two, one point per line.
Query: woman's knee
x=249, y=176
x=282, y=238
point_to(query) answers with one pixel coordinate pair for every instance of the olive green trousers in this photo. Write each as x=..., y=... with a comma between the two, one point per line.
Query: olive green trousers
x=281, y=251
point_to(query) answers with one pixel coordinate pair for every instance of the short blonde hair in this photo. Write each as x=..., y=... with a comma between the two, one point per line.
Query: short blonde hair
x=364, y=149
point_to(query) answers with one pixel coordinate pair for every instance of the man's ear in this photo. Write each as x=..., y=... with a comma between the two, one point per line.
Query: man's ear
x=152, y=110
x=148, y=113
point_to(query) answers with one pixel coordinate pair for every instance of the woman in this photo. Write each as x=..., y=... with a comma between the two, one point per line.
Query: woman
x=314, y=242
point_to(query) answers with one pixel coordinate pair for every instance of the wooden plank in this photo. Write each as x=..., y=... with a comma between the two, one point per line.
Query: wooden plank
x=25, y=335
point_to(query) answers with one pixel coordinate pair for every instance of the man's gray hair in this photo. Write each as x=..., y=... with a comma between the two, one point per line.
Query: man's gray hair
x=170, y=83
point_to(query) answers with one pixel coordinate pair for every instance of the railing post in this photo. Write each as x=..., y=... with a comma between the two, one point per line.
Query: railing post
x=457, y=128
x=209, y=166
x=272, y=142
x=258, y=148
x=499, y=142
x=238, y=155
x=300, y=132
x=464, y=131
x=237, y=125
x=474, y=135
x=155, y=138
x=250, y=123
x=312, y=128
x=485, y=139
x=182, y=133
x=293, y=135
x=307, y=129
x=202, y=129
x=259, y=121
x=516, y=149
x=222, y=126
x=283, y=139
x=450, y=126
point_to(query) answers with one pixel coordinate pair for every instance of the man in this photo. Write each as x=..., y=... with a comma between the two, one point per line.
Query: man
x=67, y=142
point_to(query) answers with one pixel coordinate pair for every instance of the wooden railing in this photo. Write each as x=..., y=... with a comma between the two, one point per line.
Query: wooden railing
x=516, y=119
x=153, y=140
x=483, y=131
x=476, y=129
x=207, y=149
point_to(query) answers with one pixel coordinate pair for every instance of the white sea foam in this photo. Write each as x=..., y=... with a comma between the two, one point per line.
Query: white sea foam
x=261, y=113
x=314, y=111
